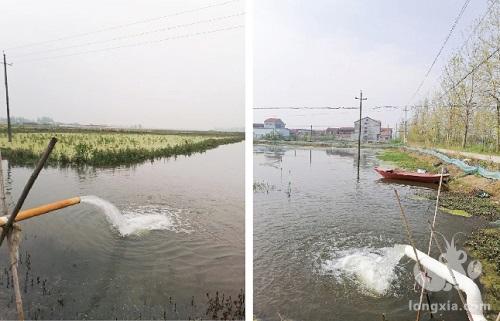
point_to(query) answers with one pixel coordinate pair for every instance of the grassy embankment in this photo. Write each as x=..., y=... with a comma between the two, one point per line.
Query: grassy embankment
x=108, y=147
x=471, y=148
x=461, y=198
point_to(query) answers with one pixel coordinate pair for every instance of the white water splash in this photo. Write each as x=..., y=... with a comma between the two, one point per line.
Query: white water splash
x=373, y=269
x=134, y=222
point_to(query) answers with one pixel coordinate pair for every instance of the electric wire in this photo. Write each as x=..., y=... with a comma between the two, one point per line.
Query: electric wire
x=78, y=35
x=304, y=107
x=455, y=23
x=184, y=36
x=135, y=35
x=469, y=73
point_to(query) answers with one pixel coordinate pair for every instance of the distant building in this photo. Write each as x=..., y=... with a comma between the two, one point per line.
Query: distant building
x=370, y=129
x=385, y=134
x=332, y=131
x=271, y=127
x=346, y=133
x=274, y=123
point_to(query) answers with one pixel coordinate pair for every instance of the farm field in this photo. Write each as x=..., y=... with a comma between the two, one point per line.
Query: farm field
x=108, y=148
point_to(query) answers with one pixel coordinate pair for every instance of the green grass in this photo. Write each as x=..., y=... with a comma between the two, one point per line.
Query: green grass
x=460, y=203
x=485, y=246
x=474, y=148
x=107, y=148
x=405, y=160
x=455, y=212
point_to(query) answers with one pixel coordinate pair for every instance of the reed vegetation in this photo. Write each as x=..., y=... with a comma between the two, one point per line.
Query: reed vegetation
x=107, y=148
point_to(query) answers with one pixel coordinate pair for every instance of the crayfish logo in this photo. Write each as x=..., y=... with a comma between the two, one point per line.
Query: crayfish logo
x=455, y=258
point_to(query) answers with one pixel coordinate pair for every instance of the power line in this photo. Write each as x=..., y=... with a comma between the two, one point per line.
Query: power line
x=480, y=22
x=123, y=25
x=440, y=50
x=189, y=35
x=470, y=72
x=387, y=106
x=300, y=107
x=136, y=34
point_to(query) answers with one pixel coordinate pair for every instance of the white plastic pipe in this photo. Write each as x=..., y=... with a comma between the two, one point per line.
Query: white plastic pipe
x=474, y=300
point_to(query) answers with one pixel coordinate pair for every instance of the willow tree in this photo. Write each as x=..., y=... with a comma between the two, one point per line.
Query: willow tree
x=490, y=76
x=460, y=92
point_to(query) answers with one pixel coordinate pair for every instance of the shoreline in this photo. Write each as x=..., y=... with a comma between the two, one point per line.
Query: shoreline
x=464, y=197
x=107, y=149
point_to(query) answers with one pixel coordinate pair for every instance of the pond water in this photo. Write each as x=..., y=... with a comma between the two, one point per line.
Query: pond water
x=328, y=247
x=176, y=243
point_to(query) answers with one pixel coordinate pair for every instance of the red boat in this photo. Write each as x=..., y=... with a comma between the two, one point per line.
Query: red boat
x=411, y=176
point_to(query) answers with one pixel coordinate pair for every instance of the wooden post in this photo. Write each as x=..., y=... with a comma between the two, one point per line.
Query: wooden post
x=27, y=188
x=9, y=129
x=13, y=239
x=3, y=207
x=359, y=131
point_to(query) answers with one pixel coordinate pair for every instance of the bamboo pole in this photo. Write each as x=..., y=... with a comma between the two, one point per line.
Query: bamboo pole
x=3, y=208
x=432, y=234
x=47, y=208
x=13, y=239
x=455, y=285
x=412, y=243
x=27, y=188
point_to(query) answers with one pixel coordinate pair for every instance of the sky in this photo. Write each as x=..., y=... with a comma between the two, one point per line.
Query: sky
x=192, y=80
x=323, y=52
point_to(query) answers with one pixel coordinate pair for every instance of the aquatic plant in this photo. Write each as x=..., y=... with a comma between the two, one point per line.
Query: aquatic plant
x=107, y=148
x=263, y=187
x=225, y=308
x=484, y=245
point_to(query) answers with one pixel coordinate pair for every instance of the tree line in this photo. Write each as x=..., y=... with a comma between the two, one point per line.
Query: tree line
x=464, y=110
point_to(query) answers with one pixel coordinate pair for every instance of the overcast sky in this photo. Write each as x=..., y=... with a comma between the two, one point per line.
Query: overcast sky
x=189, y=83
x=322, y=52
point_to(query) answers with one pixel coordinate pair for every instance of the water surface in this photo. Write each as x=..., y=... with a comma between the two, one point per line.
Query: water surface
x=328, y=247
x=182, y=238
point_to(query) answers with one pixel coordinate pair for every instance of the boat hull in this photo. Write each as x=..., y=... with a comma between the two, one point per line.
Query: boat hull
x=411, y=176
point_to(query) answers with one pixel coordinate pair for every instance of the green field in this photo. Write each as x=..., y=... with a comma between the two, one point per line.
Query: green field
x=108, y=148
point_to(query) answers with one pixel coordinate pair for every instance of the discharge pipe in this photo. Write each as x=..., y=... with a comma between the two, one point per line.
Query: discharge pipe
x=44, y=209
x=474, y=301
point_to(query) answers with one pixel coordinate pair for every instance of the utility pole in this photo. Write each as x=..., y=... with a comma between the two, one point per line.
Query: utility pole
x=311, y=138
x=406, y=125
x=359, y=129
x=9, y=129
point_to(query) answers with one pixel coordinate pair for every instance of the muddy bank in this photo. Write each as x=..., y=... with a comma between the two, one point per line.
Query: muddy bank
x=465, y=195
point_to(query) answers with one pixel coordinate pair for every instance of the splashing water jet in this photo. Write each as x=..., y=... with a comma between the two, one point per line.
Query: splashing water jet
x=374, y=269
x=130, y=223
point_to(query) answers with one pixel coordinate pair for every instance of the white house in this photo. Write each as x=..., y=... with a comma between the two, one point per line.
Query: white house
x=271, y=127
x=370, y=129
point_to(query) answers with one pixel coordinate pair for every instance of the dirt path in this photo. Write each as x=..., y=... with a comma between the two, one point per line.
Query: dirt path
x=489, y=158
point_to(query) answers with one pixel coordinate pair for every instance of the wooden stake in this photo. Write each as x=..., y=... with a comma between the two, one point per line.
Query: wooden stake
x=432, y=233
x=410, y=238
x=13, y=239
x=27, y=188
x=3, y=207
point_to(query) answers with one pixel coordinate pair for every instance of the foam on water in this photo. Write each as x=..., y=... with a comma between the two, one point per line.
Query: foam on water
x=373, y=269
x=145, y=218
